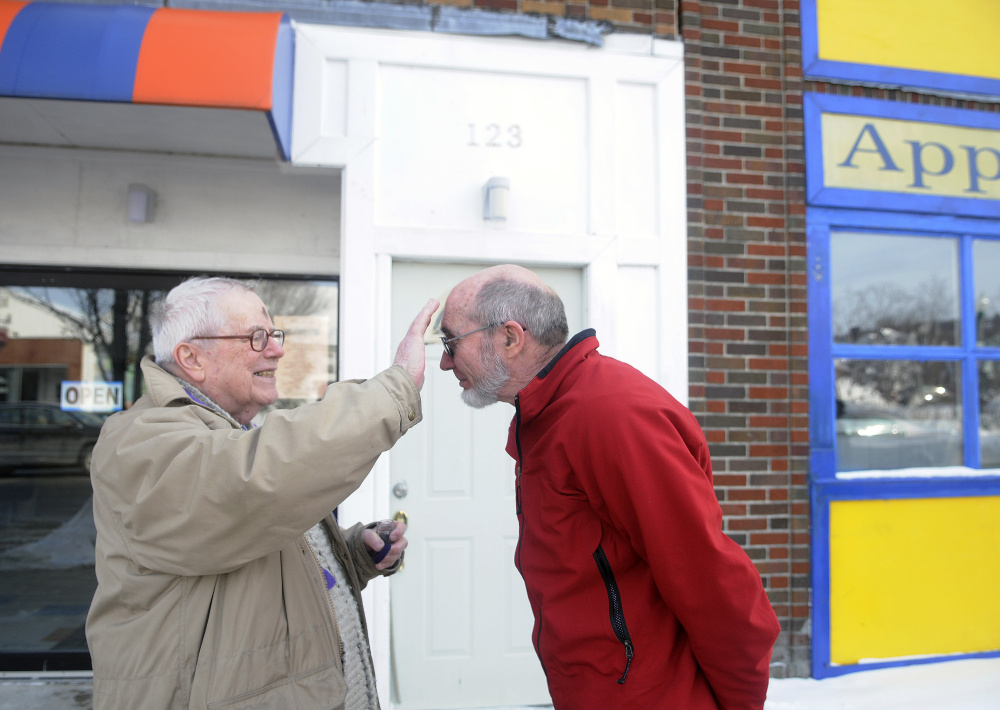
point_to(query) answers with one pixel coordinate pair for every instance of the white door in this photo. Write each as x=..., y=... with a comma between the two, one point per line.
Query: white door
x=461, y=624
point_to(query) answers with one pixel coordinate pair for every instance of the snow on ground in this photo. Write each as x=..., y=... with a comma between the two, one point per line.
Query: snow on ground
x=953, y=685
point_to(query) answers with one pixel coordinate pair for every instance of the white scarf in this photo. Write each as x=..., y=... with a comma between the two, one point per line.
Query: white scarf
x=358, y=672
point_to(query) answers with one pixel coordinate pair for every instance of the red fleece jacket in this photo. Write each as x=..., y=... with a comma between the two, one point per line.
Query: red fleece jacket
x=640, y=600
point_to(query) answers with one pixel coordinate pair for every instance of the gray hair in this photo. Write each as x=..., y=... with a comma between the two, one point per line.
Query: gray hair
x=189, y=310
x=539, y=310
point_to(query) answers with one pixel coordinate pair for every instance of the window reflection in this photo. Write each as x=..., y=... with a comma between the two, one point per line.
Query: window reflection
x=895, y=414
x=989, y=413
x=986, y=267
x=92, y=329
x=894, y=290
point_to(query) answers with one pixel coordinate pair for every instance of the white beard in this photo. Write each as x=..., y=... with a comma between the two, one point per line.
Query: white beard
x=495, y=375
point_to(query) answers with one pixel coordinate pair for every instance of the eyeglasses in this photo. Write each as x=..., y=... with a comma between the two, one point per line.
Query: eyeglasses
x=448, y=341
x=258, y=338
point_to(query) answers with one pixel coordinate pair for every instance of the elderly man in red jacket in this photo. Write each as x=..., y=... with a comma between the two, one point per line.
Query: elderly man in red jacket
x=640, y=600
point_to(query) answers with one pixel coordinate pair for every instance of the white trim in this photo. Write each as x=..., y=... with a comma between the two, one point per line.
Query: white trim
x=345, y=65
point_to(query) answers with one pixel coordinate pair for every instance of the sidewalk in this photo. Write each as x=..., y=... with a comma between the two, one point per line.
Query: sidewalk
x=953, y=685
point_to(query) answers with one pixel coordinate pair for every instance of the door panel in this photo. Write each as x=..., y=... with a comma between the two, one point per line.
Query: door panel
x=461, y=624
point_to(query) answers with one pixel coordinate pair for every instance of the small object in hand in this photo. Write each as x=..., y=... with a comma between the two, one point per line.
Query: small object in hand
x=383, y=528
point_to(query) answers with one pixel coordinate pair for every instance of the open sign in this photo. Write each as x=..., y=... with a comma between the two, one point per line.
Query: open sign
x=91, y=396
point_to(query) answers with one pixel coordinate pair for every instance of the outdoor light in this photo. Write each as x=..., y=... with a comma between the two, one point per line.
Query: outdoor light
x=496, y=195
x=141, y=201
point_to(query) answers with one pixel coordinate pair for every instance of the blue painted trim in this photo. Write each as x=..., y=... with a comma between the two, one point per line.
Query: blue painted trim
x=812, y=111
x=898, y=223
x=813, y=67
x=821, y=495
x=822, y=405
x=282, y=88
x=903, y=488
x=75, y=52
x=817, y=193
x=820, y=559
x=879, y=108
x=970, y=362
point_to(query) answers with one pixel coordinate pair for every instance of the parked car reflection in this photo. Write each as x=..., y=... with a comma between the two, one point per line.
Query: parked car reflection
x=877, y=440
x=37, y=435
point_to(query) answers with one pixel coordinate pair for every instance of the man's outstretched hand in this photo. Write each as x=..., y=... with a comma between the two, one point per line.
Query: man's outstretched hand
x=410, y=353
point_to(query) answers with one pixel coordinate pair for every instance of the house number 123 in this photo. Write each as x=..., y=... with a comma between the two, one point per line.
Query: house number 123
x=494, y=135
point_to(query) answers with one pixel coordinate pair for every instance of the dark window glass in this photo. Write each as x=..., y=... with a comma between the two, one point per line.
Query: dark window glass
x=70, y=345
x=895, y=414
x=894, y=290
x=986, y=266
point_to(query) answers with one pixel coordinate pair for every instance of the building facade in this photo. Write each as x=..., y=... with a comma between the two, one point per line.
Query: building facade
x=702, y=181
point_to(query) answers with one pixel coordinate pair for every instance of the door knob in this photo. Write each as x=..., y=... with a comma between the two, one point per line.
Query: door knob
x=400, y=489
x=401, y=515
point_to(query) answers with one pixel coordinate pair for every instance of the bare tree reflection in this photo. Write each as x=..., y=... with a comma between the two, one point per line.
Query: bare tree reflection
x=112, y=321
x=889, y=314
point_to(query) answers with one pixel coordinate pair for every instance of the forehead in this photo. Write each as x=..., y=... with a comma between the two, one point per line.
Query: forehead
x=244, y=308
x=455, y=315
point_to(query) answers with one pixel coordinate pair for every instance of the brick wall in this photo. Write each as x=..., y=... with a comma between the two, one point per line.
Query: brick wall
x=747, y=288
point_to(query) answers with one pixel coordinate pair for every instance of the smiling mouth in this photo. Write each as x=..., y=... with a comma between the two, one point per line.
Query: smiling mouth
x=264, y=373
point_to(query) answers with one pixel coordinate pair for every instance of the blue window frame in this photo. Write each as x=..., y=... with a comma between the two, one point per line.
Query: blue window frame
x=963, y=344
x=916, y=370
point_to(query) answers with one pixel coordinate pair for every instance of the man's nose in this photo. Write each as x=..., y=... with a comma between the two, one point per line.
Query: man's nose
x=273, y=349
x=446, y=361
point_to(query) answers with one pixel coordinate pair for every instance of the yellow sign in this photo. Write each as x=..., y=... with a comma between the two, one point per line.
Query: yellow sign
x=914, y=577
x=957, y=37
x=910, y=157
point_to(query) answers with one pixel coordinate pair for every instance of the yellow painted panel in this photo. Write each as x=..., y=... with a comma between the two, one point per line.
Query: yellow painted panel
x=910, y=157
x=953, y=37
x=914, y=577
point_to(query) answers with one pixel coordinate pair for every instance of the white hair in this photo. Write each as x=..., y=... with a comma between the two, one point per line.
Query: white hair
x=189, y=309
x=538, y=310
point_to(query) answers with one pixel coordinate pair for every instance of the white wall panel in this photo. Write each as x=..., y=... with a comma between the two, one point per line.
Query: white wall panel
x=636, y=174
x=638, y=309
x=70, y=207
x=443, y=133
x=449, y=587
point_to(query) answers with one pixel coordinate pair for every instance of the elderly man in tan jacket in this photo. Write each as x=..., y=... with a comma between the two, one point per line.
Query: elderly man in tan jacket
x=223, y=579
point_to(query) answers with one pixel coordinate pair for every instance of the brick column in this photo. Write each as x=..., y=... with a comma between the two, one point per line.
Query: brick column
x=747, y=288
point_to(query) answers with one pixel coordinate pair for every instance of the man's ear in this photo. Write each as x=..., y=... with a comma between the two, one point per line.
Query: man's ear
x=513, y=335
x=188, y=359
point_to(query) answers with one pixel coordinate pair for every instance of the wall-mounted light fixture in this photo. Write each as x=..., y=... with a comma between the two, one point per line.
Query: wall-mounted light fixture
x=141, y=201
x=496, y=196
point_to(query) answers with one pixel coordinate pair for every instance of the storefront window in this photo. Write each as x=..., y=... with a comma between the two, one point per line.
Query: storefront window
x=895, y=414
x=70, y=344
x=894, y=290
x=914, y=337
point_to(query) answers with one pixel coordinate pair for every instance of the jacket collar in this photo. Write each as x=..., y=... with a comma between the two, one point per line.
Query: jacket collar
x=577, y=339
x=164, y=390
x=537, y=393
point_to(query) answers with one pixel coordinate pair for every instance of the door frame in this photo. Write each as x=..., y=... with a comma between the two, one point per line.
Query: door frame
x=340, y=66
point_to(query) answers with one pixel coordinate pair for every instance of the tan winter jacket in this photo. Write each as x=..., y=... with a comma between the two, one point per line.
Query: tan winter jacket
x=208, y=595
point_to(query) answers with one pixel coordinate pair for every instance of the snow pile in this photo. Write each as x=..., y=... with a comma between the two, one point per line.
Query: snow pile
x=69, y=545
x=953, y=685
